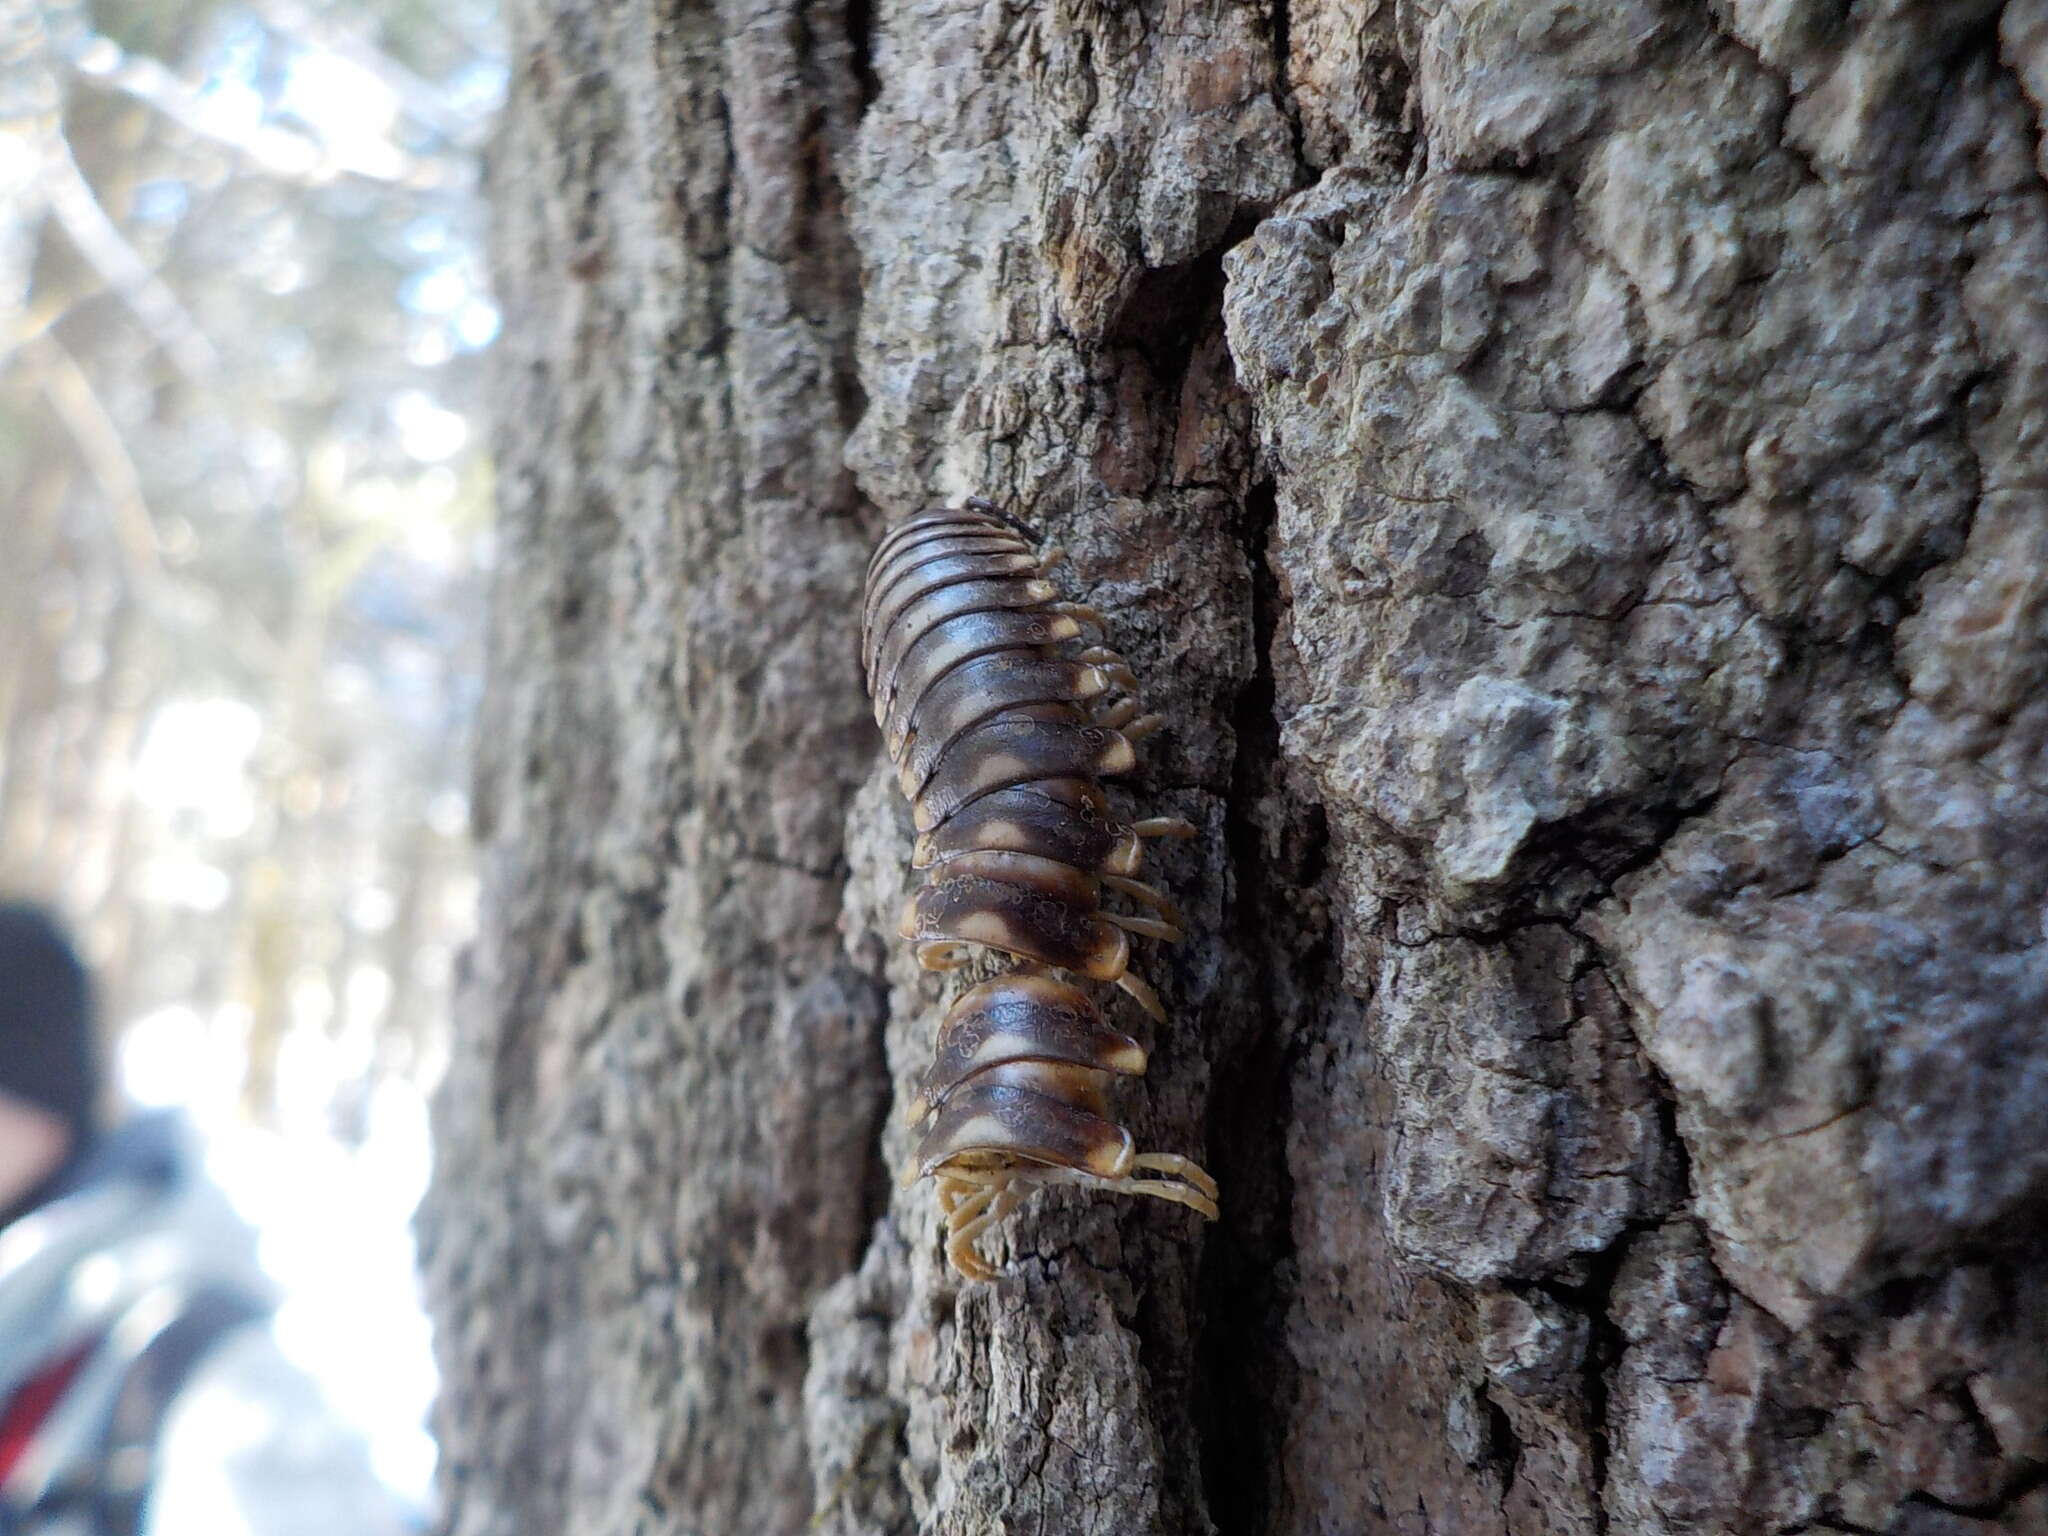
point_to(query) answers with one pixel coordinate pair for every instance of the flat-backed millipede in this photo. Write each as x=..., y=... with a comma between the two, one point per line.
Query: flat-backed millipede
x=1000, y=741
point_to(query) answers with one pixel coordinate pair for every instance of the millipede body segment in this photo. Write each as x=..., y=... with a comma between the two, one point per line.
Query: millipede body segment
x=1000, y=740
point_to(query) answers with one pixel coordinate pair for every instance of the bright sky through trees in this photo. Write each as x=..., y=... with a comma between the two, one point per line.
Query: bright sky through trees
x=242, y=308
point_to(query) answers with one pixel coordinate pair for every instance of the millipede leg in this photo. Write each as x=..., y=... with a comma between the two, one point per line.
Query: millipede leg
x=966, y=1262
x=1180, y=1167
x=1164, y=826
x=959, y=1209
x=982, y=1210
x=943, y=957
x=1197, y=1191
x=1147, y=894
x=1103, y=656
x=1118, y=715
x=1081, y=613
x=1179, y=1194
x=1142, y=727
x=968, y=1220
x=1057, y=555
x=1150, y=927
x=1141, y=990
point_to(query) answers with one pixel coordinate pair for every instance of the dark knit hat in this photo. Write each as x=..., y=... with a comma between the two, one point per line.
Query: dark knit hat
x=46, y=1030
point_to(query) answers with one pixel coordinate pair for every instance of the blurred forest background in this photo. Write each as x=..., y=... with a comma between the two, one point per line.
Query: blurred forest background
x=241, y=544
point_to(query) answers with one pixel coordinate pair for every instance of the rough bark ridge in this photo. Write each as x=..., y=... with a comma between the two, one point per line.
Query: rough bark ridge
x=654, y=1144
x=1573, y=476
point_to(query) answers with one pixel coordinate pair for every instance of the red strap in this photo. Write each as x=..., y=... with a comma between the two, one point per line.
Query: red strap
x=32, y=1403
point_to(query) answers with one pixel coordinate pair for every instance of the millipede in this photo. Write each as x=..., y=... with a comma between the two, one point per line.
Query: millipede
x=1002, y=709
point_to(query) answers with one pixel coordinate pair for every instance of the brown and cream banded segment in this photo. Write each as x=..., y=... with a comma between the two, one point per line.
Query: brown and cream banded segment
x=1001, y=738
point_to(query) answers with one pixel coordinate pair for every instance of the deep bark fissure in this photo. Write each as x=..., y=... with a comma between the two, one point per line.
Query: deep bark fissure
x=1245, y=1370
x=860, y=36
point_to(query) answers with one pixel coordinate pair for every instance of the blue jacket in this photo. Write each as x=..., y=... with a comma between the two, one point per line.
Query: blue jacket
x=135, y=1286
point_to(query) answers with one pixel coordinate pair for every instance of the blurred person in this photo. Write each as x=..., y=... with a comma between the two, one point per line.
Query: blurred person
x=141, y=1390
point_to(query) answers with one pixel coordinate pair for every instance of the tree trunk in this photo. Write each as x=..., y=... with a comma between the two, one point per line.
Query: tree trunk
x=1573, y=477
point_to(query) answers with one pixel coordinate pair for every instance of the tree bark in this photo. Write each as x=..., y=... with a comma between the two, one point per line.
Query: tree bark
x=1572, y=476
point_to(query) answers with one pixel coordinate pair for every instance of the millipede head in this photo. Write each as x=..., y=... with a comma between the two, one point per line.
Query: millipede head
x=921, y=524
